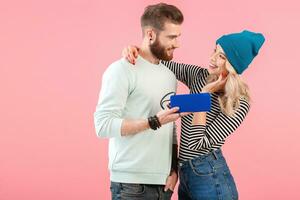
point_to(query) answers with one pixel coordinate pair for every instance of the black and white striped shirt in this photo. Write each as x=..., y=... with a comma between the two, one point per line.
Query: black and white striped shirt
x=198, y=140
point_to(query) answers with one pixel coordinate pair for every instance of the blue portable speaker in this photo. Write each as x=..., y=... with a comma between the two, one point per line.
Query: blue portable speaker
x=191, y=102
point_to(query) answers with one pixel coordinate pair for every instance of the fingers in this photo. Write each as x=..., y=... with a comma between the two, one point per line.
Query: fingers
x=127, y=55
x=131, y=58
x=220, y=78
x=173, y=117
x=184, y=114
x=137, y=48
x=168, y=115
x=135, y=52
x=172, y=110
x=168, y=105
x=168, y=186
x=223, y=81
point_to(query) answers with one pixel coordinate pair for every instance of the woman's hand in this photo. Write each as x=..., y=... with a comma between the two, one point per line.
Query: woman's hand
x=216, y=85
x=199, y=118
x=130, y=53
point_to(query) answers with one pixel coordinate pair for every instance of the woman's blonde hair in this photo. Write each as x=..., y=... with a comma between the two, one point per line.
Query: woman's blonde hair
x=235, y=89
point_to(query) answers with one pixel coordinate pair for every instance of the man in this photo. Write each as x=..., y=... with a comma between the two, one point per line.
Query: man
x=141, y=143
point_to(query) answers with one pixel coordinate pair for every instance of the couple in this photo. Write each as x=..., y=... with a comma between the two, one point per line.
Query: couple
x=143, y=159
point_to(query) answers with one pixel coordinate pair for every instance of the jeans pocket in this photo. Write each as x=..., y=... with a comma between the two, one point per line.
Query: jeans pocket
x=115, y=187
x=202, y=168
x=130, y=189
x=167, y=194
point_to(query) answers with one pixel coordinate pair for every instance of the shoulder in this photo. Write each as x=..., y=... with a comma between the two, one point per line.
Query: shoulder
x=119, y=67
x=120, y=64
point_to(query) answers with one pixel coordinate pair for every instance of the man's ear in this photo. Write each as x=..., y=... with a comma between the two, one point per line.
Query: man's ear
x=151, y=35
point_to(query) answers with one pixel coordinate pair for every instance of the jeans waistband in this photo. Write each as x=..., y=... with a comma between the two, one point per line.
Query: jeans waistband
x=213, y=155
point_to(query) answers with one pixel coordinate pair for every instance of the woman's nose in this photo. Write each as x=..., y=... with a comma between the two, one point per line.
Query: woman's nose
x=212, y=57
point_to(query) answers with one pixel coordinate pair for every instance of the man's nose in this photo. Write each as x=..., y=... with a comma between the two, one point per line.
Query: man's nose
x=176, y=44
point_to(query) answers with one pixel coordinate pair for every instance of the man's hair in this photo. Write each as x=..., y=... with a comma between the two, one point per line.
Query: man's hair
x=156, y=16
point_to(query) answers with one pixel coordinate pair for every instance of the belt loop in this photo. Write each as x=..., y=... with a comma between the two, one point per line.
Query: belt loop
x=215, y=155
x=191, y=164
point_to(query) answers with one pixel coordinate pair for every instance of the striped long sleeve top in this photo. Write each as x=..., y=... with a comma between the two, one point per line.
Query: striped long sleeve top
x=198, y=140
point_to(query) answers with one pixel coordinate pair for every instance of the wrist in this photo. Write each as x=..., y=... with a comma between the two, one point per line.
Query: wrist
x=199, y=118
x=204, y=90
x=154, y=122
x=173, y=171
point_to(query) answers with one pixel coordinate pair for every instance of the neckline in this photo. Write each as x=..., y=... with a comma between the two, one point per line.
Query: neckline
x=147, y=62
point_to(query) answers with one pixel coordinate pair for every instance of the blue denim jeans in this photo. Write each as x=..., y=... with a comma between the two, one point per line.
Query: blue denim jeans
x=129, y=191
x=206, y=177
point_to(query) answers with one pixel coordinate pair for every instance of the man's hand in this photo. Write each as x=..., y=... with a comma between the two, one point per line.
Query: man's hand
x=171, y=181
x=170, y=115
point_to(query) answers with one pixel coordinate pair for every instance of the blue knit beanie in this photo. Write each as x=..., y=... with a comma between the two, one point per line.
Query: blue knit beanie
x=241, y=48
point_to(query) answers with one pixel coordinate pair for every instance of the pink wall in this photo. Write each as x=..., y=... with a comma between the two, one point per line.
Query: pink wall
x=53, y=54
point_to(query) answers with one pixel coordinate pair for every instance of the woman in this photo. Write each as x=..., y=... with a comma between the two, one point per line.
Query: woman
x=203, y=171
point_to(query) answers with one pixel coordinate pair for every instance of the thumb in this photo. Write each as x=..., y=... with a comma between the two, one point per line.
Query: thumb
x=172, y=110
x=137, y=48
x=166, y=187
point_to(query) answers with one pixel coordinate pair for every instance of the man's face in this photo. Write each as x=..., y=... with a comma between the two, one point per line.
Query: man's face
x=166, y=41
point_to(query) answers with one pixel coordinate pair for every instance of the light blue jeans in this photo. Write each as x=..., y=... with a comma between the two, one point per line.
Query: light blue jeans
x=206, y=177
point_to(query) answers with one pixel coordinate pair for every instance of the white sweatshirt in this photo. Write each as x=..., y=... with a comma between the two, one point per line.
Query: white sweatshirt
x=135, y=92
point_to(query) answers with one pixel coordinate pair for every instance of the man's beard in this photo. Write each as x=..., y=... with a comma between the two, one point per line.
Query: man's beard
x=160, y=51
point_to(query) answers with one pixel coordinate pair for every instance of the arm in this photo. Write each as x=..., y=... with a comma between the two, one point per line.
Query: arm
x=203, y=136
x=186, y=73
x=130, y=127
x=112, y=99
x=183, y=72
x=108, y=119
x=173, y=177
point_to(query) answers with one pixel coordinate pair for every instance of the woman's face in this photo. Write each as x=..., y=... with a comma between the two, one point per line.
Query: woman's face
x=217, y=62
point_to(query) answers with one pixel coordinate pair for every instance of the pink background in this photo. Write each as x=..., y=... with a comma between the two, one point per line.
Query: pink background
x=53, y=54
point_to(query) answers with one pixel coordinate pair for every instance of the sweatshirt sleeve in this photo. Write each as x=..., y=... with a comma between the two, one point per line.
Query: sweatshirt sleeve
x=115, y=89
x=205, y=136
x=186, y=73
